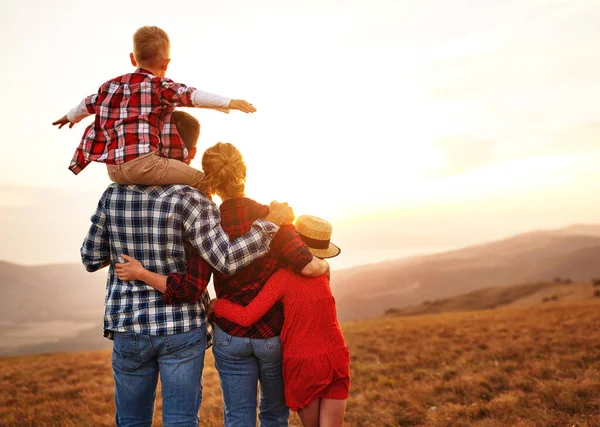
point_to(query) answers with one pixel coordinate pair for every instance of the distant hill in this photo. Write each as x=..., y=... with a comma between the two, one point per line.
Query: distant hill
x=540, y=256
x=59, y=307
x=50, y=308
x=503, y=296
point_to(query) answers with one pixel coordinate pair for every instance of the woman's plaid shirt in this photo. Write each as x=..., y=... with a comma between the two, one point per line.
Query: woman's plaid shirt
x=287, y=249
x=154, y=225
x=132, y=118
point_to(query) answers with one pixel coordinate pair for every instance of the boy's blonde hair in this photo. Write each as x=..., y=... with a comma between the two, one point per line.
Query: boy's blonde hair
x=224, y=170
x=151, y=45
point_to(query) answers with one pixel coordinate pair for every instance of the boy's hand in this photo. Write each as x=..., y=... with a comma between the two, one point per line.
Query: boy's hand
x=132, y=270
x=241, y=105
x=280, y=213
x=63, y=121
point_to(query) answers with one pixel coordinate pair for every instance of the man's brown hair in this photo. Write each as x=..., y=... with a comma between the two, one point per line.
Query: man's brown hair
x=151, y=45
x=188, y=128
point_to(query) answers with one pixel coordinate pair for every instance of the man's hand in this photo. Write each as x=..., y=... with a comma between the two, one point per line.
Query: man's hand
x=132, y=270
x=280, y=213
x=63, y=121
x=211, y=307
x=241, y=105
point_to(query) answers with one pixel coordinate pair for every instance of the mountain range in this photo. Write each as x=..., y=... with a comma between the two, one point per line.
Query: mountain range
x=59, y=307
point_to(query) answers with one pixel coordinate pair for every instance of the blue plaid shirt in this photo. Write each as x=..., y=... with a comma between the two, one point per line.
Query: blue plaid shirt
x=156, y=225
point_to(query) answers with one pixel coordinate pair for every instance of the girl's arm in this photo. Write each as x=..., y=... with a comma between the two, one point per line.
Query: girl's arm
x=249, y=315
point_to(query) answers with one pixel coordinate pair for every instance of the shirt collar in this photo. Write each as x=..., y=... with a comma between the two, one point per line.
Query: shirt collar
x=159, y=190
x=143, y=71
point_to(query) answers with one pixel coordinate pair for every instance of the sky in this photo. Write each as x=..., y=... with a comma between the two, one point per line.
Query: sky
x=411, y=126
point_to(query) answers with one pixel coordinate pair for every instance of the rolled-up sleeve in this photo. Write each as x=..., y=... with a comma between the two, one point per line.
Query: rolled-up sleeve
x=95, y=250
x=202, y=228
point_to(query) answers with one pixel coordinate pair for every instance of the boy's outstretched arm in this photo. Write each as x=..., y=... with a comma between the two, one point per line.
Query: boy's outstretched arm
x=77, y=113
x=213, y=101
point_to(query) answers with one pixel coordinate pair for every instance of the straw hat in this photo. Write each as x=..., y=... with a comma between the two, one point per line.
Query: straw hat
x=316, y=233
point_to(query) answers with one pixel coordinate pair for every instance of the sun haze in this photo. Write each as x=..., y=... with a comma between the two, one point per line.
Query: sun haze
x=420, y=118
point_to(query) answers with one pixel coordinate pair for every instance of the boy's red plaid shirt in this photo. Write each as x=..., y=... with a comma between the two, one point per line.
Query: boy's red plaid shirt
x=132, y=118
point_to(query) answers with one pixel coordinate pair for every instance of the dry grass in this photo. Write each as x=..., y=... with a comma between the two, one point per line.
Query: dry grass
x=510, y=367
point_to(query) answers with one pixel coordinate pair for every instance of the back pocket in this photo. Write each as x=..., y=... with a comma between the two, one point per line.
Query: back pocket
x=126, y=355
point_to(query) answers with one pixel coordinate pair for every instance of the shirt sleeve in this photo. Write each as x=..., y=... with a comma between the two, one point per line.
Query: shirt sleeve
x=202, y=229
x=188, y=287
x=95, y=250
x=180, y=95
x=82, y=110
x=288, y=243
x=250, y=314
x=210, y=100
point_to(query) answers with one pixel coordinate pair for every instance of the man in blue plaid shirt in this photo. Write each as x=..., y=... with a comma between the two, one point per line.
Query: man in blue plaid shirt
x=157, y=226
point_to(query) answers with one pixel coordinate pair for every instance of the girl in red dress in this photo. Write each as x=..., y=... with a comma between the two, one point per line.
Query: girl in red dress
x=316, y=361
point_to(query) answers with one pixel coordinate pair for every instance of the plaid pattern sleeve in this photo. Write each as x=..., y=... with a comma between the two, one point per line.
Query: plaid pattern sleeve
x=175, y=94
x=202, y=226
x=288, y=243
x=95, y=250
x=90, y=103
x=188, y=287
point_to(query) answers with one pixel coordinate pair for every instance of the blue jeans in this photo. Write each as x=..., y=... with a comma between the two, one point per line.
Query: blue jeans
x=242, y=363
x=138, y=360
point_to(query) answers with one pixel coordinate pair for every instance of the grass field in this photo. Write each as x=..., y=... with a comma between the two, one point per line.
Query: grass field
x=535, y=366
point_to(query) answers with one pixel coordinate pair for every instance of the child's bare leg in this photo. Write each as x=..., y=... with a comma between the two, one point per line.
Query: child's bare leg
x=331, y=413
x=310, y=415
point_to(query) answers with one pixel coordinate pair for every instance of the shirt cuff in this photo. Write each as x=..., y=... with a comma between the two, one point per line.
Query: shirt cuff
x=268, y=226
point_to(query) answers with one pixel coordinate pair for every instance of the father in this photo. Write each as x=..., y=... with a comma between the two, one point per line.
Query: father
x=160, y=226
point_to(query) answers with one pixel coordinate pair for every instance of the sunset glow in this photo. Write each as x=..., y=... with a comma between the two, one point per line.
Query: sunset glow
x=366, y=110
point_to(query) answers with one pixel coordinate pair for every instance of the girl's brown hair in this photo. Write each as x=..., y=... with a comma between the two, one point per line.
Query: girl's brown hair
x=224, y=170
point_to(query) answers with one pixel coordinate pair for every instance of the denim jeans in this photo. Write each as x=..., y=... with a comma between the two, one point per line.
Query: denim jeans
x=242, y=363
x=138, y=360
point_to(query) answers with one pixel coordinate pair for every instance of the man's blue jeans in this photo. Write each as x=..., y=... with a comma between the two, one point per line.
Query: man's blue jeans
x=138, y=360
x=242, y=363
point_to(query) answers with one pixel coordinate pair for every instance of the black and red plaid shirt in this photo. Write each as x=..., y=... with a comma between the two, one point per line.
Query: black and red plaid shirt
x=287, y=250
x=133, y=118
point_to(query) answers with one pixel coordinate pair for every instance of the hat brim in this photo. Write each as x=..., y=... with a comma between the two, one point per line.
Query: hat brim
x=330, y=252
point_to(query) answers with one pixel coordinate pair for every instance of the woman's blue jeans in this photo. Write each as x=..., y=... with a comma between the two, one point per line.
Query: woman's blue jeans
x=243, y=364
x=138, y=360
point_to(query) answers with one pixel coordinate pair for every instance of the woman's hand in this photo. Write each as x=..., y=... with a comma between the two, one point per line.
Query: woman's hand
x=211, y=307
x=131, y=270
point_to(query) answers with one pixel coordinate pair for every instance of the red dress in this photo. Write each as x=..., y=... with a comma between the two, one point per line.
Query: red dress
x=316, y=361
